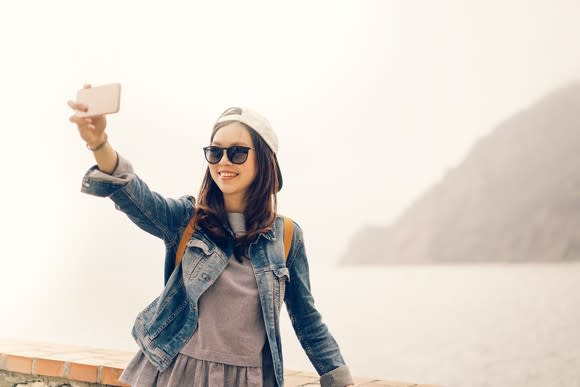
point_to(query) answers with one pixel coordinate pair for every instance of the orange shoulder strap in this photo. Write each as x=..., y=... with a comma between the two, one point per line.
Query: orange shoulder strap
x=188, y=232
x=288, y=231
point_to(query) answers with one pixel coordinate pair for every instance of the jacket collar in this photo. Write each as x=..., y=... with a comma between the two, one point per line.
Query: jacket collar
x=271, y=234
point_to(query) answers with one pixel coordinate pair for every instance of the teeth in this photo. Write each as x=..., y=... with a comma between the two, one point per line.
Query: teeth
x=228, y=174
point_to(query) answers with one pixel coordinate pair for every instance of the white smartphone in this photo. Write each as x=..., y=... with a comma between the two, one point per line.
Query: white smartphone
x=100, y=100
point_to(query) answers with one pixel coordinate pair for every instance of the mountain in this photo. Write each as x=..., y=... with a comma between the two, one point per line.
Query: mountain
x=515, y=198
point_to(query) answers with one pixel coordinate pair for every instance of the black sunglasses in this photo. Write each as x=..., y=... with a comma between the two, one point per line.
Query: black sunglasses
x=237, y=154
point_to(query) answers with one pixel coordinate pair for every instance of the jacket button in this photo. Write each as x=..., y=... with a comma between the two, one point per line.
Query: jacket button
x=205, y=277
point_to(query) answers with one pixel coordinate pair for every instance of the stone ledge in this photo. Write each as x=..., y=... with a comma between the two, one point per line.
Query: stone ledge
x=78, y=363
x=42, y=364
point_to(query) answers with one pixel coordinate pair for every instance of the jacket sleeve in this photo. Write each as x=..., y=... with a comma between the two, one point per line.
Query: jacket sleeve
x=149, y=210
x=313, y=334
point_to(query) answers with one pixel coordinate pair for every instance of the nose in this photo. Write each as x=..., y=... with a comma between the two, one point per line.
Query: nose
x=225, y=160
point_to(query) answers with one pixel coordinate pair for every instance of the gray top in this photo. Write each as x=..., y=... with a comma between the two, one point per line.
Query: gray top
x=230, y=324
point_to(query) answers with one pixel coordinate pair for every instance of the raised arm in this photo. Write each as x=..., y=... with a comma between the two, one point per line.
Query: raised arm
x=113, y=177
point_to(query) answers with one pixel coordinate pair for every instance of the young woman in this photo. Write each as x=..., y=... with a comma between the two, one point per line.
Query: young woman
x=216, y=323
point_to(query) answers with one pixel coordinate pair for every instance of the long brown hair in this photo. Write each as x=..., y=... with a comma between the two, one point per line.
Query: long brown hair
x=261, y=202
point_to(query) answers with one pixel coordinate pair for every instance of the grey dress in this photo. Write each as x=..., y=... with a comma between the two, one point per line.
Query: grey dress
x=229, y=346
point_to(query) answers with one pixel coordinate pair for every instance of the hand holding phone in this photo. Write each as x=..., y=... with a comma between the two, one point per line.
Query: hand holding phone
x=99, y=100
x=91, y=127
x=90, y=117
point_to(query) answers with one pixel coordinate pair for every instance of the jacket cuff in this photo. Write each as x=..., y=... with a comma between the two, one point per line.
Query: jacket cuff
x=99, y=183
x=123, y=169
x=338, y=377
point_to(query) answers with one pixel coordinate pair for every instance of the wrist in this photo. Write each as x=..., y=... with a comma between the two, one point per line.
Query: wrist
x=99, y=145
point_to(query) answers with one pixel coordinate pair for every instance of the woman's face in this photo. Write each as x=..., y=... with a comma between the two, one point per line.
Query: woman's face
x=233, y=179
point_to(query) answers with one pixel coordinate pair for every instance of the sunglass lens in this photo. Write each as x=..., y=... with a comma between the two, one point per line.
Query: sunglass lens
x=213, y=154
x=238, y=155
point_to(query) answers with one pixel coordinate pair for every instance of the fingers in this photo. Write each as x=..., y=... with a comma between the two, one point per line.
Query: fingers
x=82, y=121
x=77, y=106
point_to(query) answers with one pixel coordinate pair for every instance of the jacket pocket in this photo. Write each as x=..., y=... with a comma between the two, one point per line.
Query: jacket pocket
x=282, y=275
x=197, y=243
x=196, y=252
x=164, y=310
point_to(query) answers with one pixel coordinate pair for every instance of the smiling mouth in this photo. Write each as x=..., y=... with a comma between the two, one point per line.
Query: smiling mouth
x=228, y=174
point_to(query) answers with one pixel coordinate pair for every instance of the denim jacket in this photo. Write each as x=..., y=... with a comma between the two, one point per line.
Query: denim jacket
x=169, y=321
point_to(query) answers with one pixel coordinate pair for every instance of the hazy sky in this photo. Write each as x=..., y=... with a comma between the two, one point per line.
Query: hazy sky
x=372, y=102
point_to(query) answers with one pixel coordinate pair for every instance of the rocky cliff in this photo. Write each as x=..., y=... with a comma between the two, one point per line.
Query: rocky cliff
x=516, y=198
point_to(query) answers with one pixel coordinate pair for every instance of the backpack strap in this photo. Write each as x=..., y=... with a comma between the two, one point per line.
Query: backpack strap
x=188, y=232
x=288, y=231
x=185, y=237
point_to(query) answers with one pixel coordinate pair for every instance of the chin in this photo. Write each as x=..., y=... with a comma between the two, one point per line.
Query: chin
x=228, y=190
